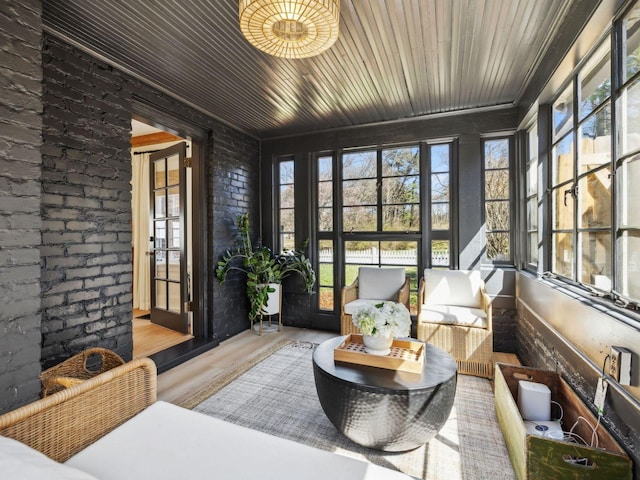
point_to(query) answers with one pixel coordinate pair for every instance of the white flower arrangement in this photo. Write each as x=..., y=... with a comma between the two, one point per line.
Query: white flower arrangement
x=385, y=319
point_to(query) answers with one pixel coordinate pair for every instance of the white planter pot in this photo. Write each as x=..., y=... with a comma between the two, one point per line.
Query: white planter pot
x=377, y=345
x=273, y=302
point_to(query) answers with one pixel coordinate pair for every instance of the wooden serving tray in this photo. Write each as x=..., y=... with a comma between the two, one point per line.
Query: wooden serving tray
x=405, y=355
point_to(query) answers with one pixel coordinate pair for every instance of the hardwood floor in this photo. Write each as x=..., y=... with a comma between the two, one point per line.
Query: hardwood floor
x=179, y=383
x=149, y=338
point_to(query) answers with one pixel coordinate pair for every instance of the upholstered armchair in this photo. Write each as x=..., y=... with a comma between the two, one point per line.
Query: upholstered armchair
x=372, y=285
x=454, y=313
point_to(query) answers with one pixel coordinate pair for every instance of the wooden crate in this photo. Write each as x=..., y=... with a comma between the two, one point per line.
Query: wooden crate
x=539, y=458
x=406, y=355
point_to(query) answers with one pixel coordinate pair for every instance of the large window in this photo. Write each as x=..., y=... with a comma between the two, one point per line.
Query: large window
x=497, y=199
x=531, y=192
x=581, y=175
x=286, y=205
x=627, y=165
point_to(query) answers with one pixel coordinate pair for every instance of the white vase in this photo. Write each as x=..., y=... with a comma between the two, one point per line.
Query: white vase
x=376, y=345
x=273, y=300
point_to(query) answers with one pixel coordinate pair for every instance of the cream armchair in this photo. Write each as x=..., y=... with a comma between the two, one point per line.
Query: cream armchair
x=372, y=285
x=454, y=313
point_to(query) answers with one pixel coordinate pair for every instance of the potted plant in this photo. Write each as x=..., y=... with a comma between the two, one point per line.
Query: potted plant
x=265, y=271
x=380, y=323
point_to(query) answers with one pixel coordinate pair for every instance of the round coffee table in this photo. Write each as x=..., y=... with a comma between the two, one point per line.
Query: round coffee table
x=384, y=409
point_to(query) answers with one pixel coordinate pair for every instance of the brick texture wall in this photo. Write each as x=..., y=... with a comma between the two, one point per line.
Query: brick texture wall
x=20, y=160
x=86, y=206
x=86, y=254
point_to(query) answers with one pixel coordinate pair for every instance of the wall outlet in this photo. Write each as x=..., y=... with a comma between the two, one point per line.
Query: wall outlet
x=620, y=365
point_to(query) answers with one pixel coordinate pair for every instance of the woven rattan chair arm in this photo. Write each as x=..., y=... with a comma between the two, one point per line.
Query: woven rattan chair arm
x=350, y=293
x=403, y=293
x=486, y=303
x=421, y=292
x=68, y=421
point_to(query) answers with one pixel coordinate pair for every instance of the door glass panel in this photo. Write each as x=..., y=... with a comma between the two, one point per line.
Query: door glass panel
x=174, y=233
x=160, y=234
x=159, y=171
x=174, y=297
x=174, y=265
x=161, y=294
x=160, y=203
x=174, y=202
x=173, y=166
x=161, y=264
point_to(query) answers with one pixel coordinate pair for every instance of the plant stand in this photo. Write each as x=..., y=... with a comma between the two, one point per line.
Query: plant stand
x=270, y=311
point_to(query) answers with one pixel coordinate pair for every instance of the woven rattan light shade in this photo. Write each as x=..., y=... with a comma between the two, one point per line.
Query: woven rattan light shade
x=290, y=28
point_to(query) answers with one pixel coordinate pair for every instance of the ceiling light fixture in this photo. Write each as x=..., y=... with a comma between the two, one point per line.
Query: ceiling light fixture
x=290, y=28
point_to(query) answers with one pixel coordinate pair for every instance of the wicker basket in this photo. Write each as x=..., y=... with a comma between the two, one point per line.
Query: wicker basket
x=76, y=369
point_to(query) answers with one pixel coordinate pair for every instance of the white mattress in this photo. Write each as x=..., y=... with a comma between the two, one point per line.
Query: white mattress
x=169, y=442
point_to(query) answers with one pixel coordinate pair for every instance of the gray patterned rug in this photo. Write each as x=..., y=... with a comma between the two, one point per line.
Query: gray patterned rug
x=277, y=395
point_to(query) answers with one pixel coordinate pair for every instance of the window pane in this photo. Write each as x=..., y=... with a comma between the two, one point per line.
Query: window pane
x=401, y=161
x=325, y=194
x=286, y=172
x=325, y=219
x=563, y=254
x=401, y=218
x=498, y=246
x=628, y=189
x=440, y=216
x=533, y=248
x=497, y=216
x=628, y=119
x=360, y=219
x=631, y=40
x=359, y=165
x=287, y=220
x=359, y=192
x=496, y=184
x=628, y=264
x=563, y=160
x=595, y=80
x=286, y=196
x=440, y=253
x=532, y=214
x=595, y=141
x=360, y=253
x=596, y=259
x=325, y=169
x=562, y=209
x=440, y=158
x=401, y=190
x=532, y=178
x=326, y=298
x=496, y=153
x=563, y=113
x=440, y=187
x=595, y=199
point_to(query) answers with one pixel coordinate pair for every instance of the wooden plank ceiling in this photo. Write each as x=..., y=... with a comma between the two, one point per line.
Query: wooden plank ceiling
x=394, y=59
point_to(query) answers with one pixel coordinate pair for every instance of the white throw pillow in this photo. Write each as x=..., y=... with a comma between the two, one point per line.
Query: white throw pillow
x=380, y=283
x=21, y=462
x=453, y=287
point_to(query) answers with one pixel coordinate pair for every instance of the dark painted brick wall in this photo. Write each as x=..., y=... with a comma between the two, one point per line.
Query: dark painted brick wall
x=86, y=262
x=86, y=205
x=20, y=160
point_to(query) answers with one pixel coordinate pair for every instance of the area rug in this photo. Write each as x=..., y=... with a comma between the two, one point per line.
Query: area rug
x=276, y=394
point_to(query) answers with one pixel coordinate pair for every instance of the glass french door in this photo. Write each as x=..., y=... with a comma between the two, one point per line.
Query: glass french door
x=169, y=288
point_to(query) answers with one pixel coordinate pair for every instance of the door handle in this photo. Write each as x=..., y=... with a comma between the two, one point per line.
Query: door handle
x=149, y=254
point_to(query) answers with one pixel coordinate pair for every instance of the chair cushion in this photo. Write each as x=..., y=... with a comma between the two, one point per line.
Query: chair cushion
x=380, y=283
x=352, y=307
x=453, y=315
x=453, y=287
x=21, y=462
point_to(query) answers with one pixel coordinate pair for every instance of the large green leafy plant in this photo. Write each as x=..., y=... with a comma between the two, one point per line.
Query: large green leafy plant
x=262, y=267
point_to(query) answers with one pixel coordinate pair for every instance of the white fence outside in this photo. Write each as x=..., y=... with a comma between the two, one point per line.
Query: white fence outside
x=385, y=257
